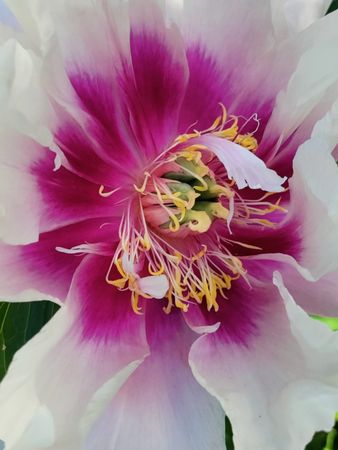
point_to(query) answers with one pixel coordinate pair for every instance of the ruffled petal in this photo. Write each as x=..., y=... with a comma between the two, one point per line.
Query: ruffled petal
x=161, y=401
x=243, y=166
x=314, y=199
x=18, y=394
x=270, y=370
x=98, y=337
x=314, y=296
x=307, y=96
x=24, y=104
x=292, y=16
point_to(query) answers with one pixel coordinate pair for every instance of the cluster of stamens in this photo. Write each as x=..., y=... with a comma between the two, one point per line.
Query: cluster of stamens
x=177, y=202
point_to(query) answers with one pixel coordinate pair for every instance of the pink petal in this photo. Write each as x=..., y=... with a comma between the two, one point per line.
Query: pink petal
x=69, y=361
x=161, y=401
x=315, y=296
x=220, y=69
x=36, y=198
x=120, y=104
x=271, y=381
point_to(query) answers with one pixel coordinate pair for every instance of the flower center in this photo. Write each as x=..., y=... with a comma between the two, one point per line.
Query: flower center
x=182, y=197
x=168, y=245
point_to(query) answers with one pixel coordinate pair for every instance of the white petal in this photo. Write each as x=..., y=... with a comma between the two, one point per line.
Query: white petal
x=24, y=105
x=276, y=382
x=315, y=73
x=156, y=286
x=292, y=16
x=161, y=406
x=34, y=18
x=40, y=432
x=18, y=395
x=6, y=16
x=314, y=197
x=103, y=396
x=20, y=200
x=243, y=166
x=70, y=374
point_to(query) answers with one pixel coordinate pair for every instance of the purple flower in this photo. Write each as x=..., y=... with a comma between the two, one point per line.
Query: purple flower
x=167, y=177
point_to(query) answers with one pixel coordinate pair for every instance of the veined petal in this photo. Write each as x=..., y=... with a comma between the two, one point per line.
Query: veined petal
x=40, y=271
x=100, y=337
x=218, y=69
x=122, y=103
x=35, y=198
x=243, y=166
x=161, y=396
x=272, y=379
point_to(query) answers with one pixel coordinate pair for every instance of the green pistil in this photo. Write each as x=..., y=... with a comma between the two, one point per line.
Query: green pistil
x=186, y=190
x=213, y=209
x=201, y=192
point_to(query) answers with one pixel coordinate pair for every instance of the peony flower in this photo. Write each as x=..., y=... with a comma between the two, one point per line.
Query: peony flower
x=167, y=177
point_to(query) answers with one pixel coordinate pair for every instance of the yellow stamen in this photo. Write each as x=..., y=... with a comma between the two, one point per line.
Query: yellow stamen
x=158, y=272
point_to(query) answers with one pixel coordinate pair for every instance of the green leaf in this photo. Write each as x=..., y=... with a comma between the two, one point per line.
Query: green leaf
x=331, y=322
x=19, y=322
x=228, y=435
x=333, y=6
x=318, y=442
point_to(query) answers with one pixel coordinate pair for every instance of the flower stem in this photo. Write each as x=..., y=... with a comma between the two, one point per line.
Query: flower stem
x=330, y=439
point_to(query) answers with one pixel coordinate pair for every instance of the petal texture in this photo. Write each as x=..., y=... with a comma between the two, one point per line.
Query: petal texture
x=260, y=366
x=98, y=337
x=161, y=401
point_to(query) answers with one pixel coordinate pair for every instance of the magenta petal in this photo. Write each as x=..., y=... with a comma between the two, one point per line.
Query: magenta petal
x=104, y=313
x=160, y=72
x=122, y=102
x=67, y=198
x=41, y=267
